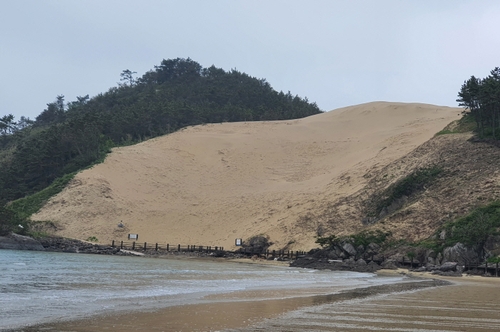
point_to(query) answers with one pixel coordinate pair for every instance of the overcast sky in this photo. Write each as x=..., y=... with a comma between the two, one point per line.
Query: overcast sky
x=335, y=53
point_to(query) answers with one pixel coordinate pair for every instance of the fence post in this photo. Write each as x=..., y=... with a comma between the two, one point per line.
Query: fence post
x=179, y=247
x=113, y=243
x=145, y=246
x=167, y=247
x=156, y=247
x=121, y=245
x=274, y=253
x=133, y=245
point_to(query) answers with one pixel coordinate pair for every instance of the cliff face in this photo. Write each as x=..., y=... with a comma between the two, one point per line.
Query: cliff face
x=286, y=180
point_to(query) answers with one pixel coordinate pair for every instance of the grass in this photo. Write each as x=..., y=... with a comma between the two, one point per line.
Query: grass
x=407, y=186
x=25, y=207
x=464, y=125
x=476, y=227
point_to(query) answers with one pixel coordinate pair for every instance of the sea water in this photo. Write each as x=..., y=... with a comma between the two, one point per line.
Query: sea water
x=42, y=287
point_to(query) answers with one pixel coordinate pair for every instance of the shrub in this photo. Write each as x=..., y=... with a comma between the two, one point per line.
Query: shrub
x=364, y=238
x=409, y=185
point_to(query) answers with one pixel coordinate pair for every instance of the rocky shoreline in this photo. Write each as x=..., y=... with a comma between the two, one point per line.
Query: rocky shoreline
x=341, y=257
x=59, y=244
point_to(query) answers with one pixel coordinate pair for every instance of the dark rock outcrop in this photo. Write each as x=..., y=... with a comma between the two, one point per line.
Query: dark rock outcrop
x=60, y=244
x=19, y=242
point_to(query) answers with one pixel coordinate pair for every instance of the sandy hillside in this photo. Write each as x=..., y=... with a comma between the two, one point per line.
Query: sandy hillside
x=210, y=184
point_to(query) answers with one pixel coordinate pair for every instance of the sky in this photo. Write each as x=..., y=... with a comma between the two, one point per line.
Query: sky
x=336, y=53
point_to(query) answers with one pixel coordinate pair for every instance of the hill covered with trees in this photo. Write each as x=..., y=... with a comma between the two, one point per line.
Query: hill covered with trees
x=69, y=136
x=481, y=97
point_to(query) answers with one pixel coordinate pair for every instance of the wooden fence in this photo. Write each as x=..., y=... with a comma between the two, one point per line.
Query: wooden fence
x=132, y=245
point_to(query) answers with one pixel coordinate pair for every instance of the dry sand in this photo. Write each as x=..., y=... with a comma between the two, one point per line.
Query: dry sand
x=210, y=184
x=469, y=304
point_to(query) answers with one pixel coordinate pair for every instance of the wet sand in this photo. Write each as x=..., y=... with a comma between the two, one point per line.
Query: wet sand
x=423, y=303
x=234, y=311
x=468, y=304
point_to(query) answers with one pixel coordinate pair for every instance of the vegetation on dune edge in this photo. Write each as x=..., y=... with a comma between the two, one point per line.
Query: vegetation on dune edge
x=39, y=156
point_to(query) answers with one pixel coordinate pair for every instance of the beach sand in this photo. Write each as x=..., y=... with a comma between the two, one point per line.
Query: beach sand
x=210, y=184
x=439, y=304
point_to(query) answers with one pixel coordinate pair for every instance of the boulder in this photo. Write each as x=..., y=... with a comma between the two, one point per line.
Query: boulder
x=372, y=266
x=19, y=242
x=461, y=254
x=361, y=262
x=492, y=245
x=389, y=264
x=332, y=254
x=448, y=266
x=349, y=249
x=372, y=249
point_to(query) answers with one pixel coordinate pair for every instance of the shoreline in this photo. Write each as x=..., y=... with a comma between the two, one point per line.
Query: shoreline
x=231, y=310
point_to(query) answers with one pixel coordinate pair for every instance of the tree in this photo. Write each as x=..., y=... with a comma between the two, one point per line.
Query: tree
x=7, y=124
x=54, y=113
x=481, y=97
x=128, y=77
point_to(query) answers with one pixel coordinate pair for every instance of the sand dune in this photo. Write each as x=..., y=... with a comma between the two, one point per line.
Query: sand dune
x=210, y=184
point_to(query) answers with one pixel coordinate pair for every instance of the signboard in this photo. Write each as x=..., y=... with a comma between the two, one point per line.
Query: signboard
x=133, y=236
x=238, y=242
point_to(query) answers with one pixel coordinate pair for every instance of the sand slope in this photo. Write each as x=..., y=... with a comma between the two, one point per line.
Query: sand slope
x=210, y=184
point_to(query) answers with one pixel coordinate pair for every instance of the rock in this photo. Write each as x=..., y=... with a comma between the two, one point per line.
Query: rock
x=361, y=262
x=431, y=261
x=461, y=254
x=372, y=249
x=439, y=259
x=339, y=252
x=389, y=264
x=332, y=254
x=19, y=242
x=349, y=249
x=420, y=269
x=448, y=266
x=431, y=267
x=372, y=266
x=492, y=245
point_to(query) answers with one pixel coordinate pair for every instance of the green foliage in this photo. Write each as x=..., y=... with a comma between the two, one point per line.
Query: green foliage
x=481, y=98
x=464, y=125
x=409, y=185
x=445, y=132
x=25, y=207
x=10, y=222
x=67, y=137
x=494, y=260
x=364, y=238
x=41, y=229
x=326, y=242
x=431, y=244
x=474, y=229
x=92, y=239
